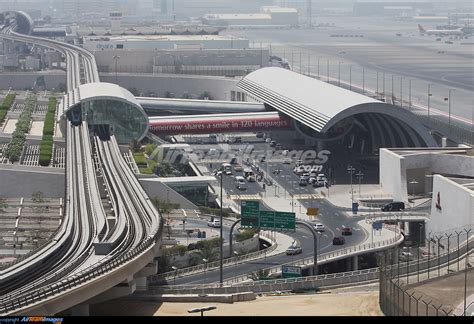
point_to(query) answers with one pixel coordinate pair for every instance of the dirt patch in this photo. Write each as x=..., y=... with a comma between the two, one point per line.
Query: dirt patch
x=328, y=304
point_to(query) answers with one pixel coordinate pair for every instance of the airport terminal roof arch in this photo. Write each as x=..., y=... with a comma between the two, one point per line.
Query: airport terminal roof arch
x=23, y=20
x=107, y=103
x=320, y=105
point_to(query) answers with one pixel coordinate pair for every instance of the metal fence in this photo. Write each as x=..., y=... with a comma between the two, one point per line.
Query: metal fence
x=399, y=279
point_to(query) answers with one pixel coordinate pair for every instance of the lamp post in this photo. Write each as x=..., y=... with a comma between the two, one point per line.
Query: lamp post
x=458, y=233
x=418, y=254
x=377, y=91
x=413, y=183
x=351, y=171
x=221, y=278
x=465, y=269
x=339, y=75
x=328, y=70
x=429, y=95
x=319, y=77
x=363, y=80
x=449, y=108
x=409, y=93
x=359, y=176
x=401, y=91
x=350, y=76
x=235, y=265
x=175, y=269
x=116, y=58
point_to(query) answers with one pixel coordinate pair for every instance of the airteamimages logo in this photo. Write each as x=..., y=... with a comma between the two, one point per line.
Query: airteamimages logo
x=42, y=319
x=245, y=153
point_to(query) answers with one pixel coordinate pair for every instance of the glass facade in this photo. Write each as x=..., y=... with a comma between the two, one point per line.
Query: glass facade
x=126, y=121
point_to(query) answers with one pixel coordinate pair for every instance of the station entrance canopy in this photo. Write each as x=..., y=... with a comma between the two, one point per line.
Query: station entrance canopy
x=319, y=107
x=102, y=103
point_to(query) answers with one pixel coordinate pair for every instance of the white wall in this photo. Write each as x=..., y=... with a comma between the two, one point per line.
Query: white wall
x=457, y=206
x=392, y=176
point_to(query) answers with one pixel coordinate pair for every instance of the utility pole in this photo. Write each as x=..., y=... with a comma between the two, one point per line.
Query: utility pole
x=309, y=13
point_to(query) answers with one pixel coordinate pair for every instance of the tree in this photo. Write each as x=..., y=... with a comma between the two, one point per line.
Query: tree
x=261, y=274
x=208, y=252
x=163, y=169
x=205, y=95
x=3, y=204
x=135, y=146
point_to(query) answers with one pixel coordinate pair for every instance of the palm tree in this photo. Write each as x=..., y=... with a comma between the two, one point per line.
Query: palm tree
x=208, y=252
x=261, y=274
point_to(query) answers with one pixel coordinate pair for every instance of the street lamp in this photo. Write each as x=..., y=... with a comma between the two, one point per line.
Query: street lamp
x=221, y=274
x=409, y=93
x=339, y=75
x=175, y=269
x=350, y=76
x=413, y=183
x=351, y=171
x=429, y=95
x=116, y=58
x=359, y=176
x=449, y=107
x=328, y=70
x=235, y=265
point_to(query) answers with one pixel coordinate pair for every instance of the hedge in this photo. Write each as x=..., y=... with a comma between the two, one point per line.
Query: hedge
x=46, y=146
x=6, y=104
x=140, y=159
x=15, y=147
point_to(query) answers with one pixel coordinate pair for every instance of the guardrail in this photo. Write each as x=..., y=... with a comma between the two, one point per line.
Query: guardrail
x=369, y=219
x=327, y=257
x=215, y=264
x=73, y=281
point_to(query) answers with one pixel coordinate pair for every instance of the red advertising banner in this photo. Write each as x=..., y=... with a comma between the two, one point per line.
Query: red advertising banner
x=183, y=126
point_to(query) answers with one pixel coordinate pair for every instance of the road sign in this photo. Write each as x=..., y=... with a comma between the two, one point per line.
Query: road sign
x=377, y=225
x=285, y=220
x=267, y=219
x=312, y=211
x=250, y=212
x=290, y=271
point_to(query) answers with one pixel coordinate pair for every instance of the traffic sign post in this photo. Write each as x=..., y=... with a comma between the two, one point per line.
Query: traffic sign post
x=285, y=220
x=267, y=219
x=290, y=271
x=250, y=213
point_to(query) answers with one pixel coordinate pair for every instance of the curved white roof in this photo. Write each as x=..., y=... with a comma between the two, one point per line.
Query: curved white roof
x=317, y=104
x=310, y=101
x=104, y=90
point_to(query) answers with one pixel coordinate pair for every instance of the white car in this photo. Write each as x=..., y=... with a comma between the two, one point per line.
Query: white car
x=214, y=223
x=319, y=227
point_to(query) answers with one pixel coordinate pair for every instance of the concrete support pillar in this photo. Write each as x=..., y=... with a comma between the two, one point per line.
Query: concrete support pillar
x=142, y=283
x=348, y=264
x=80, y=310
x=355, y=263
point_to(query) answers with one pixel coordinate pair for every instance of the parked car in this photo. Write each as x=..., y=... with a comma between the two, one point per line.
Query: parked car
x=319, y=227
x=240, y=183
x=238, y=168
x=346, y=231
x=214, y=223
x=299, y=162
x=338, y=240
x=406, y=256
x=394, y=206
x=273, y=143
x=292, y=250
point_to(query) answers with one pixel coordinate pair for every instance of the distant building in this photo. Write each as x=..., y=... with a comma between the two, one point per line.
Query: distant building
x=94, y=43
x=268, y=15
x=379, y=7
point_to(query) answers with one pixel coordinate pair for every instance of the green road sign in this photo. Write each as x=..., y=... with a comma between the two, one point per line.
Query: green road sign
x=290, y=271
x=267, y=219
x=250, y=212
x=285, y=220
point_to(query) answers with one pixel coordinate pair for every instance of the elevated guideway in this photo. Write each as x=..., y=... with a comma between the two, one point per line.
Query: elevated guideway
x=92, y=251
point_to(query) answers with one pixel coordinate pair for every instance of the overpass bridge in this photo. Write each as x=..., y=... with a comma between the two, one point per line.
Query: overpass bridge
x=97, y=245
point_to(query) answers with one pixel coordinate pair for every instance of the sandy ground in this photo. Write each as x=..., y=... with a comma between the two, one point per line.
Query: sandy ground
x=10, y=126
x=37, y=128
x=343, y=303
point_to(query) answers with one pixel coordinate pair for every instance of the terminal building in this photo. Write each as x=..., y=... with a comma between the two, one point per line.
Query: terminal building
x=268, y=15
